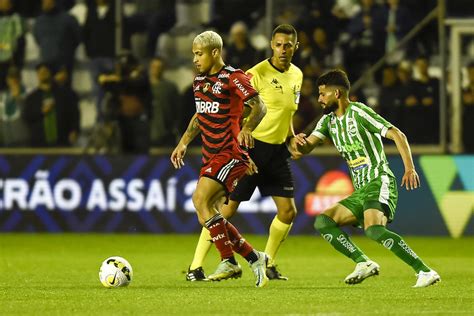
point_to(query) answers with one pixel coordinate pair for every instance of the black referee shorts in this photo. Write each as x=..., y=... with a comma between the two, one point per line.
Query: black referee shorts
x=274, y=176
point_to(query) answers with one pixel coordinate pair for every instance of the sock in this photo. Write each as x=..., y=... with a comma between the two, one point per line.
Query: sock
x=329, y=230
x=278, y=233
x=220, y=237
x=202, y=248
x=397, y=245
x=239, y=244
x=251, y=257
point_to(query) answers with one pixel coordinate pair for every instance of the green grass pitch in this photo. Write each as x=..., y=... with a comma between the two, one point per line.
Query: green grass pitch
x=57, y=274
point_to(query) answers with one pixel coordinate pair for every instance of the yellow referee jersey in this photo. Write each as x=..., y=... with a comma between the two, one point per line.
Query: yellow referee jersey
x=280, y=91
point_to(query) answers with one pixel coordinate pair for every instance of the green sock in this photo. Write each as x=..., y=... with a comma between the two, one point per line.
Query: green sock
x=338, y=239
x=397, y=245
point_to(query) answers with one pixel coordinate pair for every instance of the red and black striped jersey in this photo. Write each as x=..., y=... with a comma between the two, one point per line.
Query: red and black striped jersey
x=220, y=101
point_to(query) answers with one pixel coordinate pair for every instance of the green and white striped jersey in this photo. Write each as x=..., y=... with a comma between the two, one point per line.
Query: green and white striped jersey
x=358, y=137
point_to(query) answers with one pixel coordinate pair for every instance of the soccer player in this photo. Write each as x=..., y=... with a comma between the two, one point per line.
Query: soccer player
x=278, y=82
x=357, y=131
x=220, y=92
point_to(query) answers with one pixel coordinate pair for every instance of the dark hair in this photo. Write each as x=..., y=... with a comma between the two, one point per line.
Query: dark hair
x=285, y=29
x=335, y=77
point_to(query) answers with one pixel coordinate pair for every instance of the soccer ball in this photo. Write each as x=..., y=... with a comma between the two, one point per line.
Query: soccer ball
x=115, y=272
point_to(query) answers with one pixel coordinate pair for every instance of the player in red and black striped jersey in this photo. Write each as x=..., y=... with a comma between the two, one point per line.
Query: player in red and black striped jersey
x=220, y=92
x=219, y=102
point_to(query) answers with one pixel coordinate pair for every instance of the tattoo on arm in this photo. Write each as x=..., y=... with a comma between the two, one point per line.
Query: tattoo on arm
x=256, y=114
x=192, y=130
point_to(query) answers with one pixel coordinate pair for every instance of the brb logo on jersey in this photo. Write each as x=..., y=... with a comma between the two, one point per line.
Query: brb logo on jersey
x=207, y=106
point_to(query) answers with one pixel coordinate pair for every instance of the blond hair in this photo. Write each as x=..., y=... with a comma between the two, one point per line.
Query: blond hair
x=209, y=39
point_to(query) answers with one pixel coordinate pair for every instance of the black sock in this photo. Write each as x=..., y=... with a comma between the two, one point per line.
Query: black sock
x=232, y=260
x=251, y=257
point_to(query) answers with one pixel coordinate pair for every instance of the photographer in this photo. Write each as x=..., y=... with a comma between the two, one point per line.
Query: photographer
x=128, y=102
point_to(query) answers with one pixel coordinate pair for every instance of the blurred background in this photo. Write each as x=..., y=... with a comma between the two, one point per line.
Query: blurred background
x=94, y=94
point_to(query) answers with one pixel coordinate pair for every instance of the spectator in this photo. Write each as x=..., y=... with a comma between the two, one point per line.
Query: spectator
x=99, y=41
x=322, y=48
x=304, y=53
x=343, y=11
x=389, y=102
x=366, y=38
x=410, y=102
x=57, y=34
x=129, y=103
x=317, y=14
x=251, y=12
x=308, y=109
x=159, y=17
x=12, y=41
x=51, y=116
x=61, y=79
x=428, y=94
x=164, y=120
x=240, y=52
x=468, y=111
x=398, y=22
x=13, y=130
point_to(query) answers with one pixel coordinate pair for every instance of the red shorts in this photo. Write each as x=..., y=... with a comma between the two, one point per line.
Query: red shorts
x=226, y=168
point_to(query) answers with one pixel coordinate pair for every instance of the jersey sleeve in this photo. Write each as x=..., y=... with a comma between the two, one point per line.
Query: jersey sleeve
x=241, y=86
x=254, y=78
x=373, y=122
x=321, y=130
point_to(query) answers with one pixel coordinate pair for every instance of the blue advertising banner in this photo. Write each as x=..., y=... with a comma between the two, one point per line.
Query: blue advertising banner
x=145, y=194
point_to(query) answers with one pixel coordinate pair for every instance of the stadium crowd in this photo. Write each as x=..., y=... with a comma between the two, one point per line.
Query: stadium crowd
x=61, y=78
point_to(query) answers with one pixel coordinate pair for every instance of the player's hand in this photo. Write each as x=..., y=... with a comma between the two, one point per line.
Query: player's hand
x=299, y=140
x=245, y=138
x=252, y=167
x=410, y=180
x=293, y=148
x=177, y=156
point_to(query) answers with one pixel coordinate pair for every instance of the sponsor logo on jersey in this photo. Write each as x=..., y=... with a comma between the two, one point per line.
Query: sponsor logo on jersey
x=241, y=87
x=351, y=127
x=223, y=75
x=358, y=163
x=217, y=87
x=196, y=88
x=357, y=145
x=206, y=87
x=198, y=78
x=207, y=106
x=276, y=84
x=208, y=170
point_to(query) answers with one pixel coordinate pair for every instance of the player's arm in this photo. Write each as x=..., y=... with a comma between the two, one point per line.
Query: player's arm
x=257, y=112
x=410, y=179
x=178, y=153
x=301, y=144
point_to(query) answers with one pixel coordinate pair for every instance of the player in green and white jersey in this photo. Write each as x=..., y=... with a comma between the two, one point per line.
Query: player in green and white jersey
x=357, y=131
